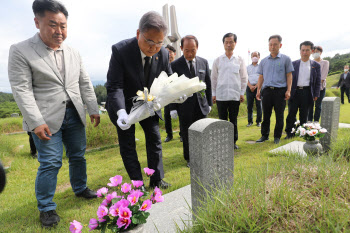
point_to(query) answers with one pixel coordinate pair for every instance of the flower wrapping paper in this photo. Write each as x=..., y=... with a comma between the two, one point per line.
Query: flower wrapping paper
x=165, y=90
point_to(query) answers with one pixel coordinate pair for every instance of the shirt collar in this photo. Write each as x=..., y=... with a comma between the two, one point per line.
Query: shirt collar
x=143, y=55
x=278, y=55
x=41, y=42
x=193, y=61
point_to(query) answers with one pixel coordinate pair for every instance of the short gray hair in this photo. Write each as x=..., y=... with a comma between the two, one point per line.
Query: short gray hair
x=153, y=20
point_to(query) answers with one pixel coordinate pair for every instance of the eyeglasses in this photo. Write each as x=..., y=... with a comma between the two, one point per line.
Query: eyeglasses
x=151, y=43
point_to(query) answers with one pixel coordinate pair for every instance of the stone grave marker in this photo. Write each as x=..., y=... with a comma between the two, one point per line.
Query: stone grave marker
x=330, y=120
x=211, y=144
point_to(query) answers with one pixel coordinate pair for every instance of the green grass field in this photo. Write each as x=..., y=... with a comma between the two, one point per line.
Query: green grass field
x=18, y=211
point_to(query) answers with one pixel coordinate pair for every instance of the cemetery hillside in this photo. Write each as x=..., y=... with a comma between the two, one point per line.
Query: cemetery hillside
x=271, y=192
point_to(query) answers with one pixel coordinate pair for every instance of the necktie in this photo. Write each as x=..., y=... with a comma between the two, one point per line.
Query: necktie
x=146, y=70
x=193, y=73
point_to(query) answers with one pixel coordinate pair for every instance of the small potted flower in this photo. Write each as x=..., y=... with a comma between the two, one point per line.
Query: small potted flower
x=124, y=212
x=310, y=132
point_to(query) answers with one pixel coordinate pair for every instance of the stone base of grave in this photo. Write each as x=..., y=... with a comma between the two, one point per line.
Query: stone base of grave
x=293, y=147
x=172, y=213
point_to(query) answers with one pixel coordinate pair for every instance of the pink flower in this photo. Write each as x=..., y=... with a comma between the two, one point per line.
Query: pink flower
x=137, y=192
x=157, y=191
x=114, y=210
x=125, y=212
x=115, y=181
x=102, y=220
x=146, y=205
x=133, y=198
x=159, y=198
x=93, y=224
x=102, y=192
x=312, y=132
x=137, y=183
x=123, y=222
x=75, y=227
x=126, y=187
x=102, y=211
x=148, y=171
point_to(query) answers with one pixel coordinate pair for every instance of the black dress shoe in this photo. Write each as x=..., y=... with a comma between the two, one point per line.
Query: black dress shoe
x=250, y=124
x=188, y=164
x=181, y=139
x=276, y=140
x=262, y=139
x=168, y=138
x=49, y=218
x=160, y=184
x=235, y=147
x=289, y=136
x=87, y=193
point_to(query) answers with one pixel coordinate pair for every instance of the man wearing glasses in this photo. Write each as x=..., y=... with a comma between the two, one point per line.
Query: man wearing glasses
x=134, y=64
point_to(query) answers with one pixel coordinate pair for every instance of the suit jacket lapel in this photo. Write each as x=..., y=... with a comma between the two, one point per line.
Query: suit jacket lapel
x=44, y=54
x=297, y=66
x=187, y=70
x=67, y=62
x=136, y=57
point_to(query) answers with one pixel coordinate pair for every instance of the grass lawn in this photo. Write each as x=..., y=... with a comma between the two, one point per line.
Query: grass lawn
x=18, y=211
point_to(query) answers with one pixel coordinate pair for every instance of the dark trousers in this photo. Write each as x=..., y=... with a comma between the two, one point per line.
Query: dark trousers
x=273, y=99
x=251, y=96
x=318, y=107
x=167, y=120
x=301, y=101
x=229, y=109
x=342, y=90
x=32, y=144
x=190, y=113
x=128, y=152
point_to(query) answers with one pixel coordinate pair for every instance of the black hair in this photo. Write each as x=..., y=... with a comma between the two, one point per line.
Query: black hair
x=319, y=48
x=278, y=37
x=307, y=43
x=230, y=35
x=171, y=48
x=40, y=6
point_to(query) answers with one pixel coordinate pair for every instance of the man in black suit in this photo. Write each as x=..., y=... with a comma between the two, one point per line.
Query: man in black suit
x=344, y=84
x=134, y=64
x=197, y=106
x=306, y=87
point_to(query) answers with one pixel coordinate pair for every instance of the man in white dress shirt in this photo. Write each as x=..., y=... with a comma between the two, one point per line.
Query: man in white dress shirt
x=229, y=82
x=305, y=87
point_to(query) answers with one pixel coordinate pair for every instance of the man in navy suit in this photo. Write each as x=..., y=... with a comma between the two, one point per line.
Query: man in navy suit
x=197, y=106
x=305, y=87
x=134, y=64
x=344, y=84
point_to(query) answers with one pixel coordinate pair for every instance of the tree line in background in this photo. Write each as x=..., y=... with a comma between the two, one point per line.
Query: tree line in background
x=9, y=106
x=337, y=63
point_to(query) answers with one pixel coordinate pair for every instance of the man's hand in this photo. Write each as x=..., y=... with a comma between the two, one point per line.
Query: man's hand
x=258, y=95
x=252, y=88
x=287, y=95
x=241, y=98
x=315, y=98
x=96, y=118
x=173, y=114
x=214, y=99
x=41, y=131
x=181, y=99
x=122, y=121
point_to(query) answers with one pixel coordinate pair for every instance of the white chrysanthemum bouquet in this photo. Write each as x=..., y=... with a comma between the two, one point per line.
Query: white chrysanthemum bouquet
x=309, y=131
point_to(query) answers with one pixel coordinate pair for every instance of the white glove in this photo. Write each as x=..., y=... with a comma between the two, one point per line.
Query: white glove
x=180, y=100
x=173, y=114
x=123, y=119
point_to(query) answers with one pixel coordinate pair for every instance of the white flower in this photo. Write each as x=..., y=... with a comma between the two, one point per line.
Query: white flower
x=293, y=130
x=297, y=122
x=312, y=132
x=323, y=130
x=302, y=131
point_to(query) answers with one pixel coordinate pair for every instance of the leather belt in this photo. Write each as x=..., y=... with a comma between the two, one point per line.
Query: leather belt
x=301, y=88
x=273, y=88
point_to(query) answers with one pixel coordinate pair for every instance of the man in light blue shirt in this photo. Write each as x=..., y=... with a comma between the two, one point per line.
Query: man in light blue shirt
x=275, y=81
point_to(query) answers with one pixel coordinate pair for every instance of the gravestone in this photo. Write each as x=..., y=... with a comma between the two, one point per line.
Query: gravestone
x=330, y=120
x=211, y=144
x=14, y=115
